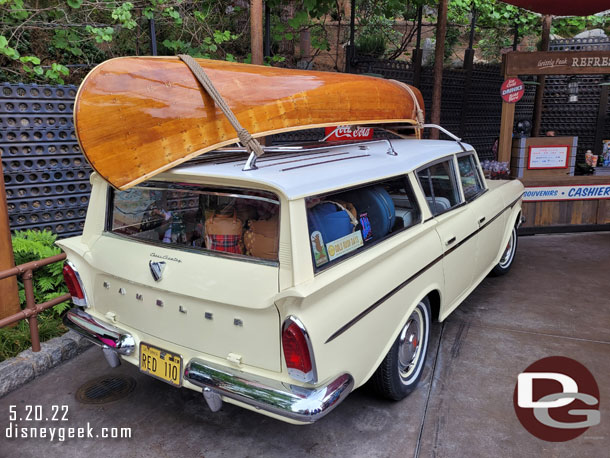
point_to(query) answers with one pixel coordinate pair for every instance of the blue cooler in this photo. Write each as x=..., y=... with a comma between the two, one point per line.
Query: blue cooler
x=375, y=209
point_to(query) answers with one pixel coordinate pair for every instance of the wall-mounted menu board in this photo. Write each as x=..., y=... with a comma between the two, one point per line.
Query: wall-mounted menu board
x=548, y=157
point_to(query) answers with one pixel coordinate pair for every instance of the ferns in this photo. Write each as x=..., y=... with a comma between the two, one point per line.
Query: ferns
x=48, y=280
x=48, y=284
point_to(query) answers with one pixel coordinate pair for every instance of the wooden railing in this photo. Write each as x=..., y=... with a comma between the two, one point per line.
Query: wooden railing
x=32, y=309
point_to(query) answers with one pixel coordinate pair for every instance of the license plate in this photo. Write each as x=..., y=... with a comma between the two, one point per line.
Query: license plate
x=161, y=364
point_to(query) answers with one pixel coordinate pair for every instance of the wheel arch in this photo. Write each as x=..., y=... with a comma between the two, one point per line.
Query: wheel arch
x=513, y=222
x=434, y=298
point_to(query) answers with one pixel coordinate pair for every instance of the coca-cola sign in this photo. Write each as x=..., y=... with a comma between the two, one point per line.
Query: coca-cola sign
x=342, y=133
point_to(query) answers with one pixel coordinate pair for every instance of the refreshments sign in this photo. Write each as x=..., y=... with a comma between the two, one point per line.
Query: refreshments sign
x=342, y=133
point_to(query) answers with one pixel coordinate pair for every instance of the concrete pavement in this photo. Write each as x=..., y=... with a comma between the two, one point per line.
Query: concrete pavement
x=554, y=301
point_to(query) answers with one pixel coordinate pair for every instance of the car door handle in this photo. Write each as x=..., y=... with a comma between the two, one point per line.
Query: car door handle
x=482, y=220
x=450, y=241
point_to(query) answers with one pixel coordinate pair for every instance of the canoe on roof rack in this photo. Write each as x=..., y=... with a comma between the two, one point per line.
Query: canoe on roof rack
x=138, y=116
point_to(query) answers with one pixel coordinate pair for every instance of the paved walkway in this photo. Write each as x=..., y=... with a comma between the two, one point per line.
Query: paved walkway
x=555, y=301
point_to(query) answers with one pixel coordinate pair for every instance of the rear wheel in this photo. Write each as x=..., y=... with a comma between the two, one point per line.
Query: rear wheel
x=506, y=261
x=401, y=369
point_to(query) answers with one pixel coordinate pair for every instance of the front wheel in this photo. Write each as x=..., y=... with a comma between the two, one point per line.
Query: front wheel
x=401, y=369
x=506, y=261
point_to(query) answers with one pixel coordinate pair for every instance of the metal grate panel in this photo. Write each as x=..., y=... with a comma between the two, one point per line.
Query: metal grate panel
x=46, y=175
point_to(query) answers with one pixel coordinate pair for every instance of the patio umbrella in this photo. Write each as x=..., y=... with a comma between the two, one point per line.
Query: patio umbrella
x=562, y=7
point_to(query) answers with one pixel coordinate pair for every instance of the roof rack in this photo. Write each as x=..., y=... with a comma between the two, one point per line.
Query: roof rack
x=446, y=132
x=251, y=162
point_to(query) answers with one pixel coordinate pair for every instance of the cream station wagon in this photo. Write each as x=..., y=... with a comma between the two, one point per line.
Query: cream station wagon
x=283, y=288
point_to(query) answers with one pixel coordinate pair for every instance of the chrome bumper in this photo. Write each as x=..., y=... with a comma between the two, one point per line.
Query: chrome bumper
x=100, y=333
x=285, y=400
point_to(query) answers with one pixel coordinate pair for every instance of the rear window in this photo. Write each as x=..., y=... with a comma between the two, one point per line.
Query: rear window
x=229, y=221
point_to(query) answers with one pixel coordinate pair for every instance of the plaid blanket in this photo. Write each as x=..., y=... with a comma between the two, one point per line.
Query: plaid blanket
x=228, y=243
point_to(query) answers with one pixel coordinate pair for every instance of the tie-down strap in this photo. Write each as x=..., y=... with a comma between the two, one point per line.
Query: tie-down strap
x=251, y=144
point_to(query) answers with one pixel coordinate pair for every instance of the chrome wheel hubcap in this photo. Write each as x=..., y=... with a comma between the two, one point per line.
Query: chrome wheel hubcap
x=508, y=253
x=410, y=343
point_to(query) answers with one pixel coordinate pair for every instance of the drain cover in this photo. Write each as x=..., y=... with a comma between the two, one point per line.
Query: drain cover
x=105, y=389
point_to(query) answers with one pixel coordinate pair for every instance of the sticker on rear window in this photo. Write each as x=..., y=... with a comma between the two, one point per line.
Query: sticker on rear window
x=367, y=232
x=344, y=245
x=317, y=245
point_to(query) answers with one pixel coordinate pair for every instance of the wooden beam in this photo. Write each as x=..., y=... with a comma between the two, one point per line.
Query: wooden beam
x=506, y=123
x=544, y=46
x=256, y=31
x=601, y=118
x=506, y=131
x=439, y=57
x=9, y=297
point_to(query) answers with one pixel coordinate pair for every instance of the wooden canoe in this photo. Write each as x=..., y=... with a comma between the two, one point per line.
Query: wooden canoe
x=138, y=116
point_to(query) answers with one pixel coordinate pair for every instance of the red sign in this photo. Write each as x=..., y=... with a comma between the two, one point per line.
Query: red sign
x=342, y=133
x=512, y=90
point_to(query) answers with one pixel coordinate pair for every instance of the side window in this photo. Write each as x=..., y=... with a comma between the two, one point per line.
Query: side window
x=470, y=178
x=345, y=222
x=439, y=186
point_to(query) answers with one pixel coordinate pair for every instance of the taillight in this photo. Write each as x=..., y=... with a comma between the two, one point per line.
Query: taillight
x=74, y=285
x=297, y=351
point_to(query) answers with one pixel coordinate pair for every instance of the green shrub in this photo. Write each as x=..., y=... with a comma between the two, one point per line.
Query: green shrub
x=48, y=284
x=371, y=45
x=48, y=280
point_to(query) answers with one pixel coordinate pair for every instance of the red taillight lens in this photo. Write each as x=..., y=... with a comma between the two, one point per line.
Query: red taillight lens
x=296, y=350
x=78, y=296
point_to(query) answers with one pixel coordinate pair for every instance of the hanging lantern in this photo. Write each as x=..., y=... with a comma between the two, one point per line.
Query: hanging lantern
x=572, y=90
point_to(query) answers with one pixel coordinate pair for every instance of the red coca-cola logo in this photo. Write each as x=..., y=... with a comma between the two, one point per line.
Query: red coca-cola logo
x=512, y=90
x=342, y=133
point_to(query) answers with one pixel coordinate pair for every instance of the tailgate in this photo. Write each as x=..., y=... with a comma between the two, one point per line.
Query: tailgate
x=208, y=303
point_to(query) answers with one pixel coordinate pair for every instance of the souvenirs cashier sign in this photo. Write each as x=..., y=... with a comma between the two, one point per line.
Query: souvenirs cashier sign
x=569, y=192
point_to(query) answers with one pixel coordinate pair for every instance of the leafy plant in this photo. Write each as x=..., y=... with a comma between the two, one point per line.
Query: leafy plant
x=48, y=284
x=48, y=280
x=17, y=339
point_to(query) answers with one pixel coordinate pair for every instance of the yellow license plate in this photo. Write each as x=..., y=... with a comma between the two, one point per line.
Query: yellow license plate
x=162, y=364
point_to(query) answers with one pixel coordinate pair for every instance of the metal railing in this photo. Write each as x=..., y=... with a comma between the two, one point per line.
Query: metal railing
x=32, y=309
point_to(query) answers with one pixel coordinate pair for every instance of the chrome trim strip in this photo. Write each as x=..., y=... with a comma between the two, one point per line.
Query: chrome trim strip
x=102, y=334
x=293, y=402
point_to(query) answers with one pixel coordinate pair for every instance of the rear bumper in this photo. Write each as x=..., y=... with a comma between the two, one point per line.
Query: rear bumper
x=100, y=333
x=292, y=402
x=288, y=401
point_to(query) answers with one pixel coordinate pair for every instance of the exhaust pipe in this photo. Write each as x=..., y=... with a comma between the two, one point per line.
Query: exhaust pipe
x=111, y=357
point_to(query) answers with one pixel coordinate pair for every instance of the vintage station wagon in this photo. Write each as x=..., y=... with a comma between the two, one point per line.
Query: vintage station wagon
x=284, y=287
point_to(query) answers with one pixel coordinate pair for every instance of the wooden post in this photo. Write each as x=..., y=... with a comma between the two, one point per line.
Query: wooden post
x=439, y=57
x=350, y=49
x=601, y=117
x=153, y=37
x=418, y=53
x=9, y=296
x=267, y=44
x=506, y=127
x=256, y=31
x=468, y=65
x=544, y=46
